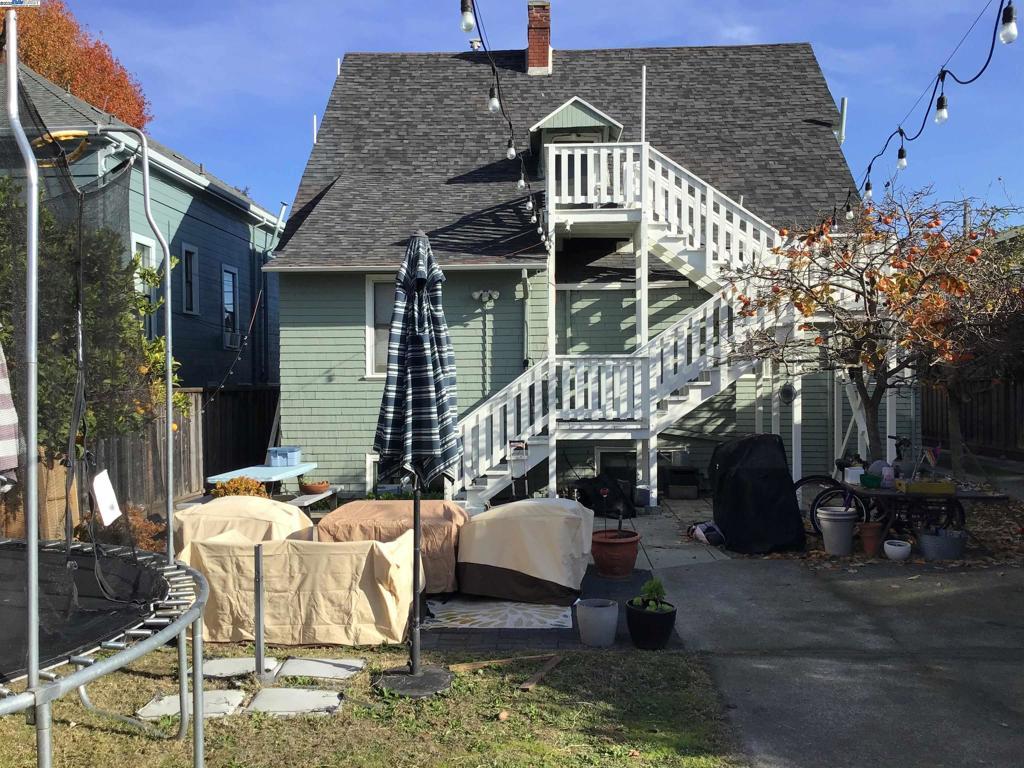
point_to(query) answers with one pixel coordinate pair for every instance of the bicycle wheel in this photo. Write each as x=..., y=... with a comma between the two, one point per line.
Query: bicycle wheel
x=837, y=497
x=808, y=489
x=943, y=513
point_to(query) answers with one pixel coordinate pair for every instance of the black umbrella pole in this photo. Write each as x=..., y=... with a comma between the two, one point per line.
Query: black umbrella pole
x=416, y=530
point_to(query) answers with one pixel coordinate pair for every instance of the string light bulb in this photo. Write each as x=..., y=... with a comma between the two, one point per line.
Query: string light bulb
x=533, y=219
x=901, y=158
x=849, y=212
x=868, y=193
x=468, y=21
x=493, y=104
x=510, y=153
x=1008, y=26
x=521, y=184
x=540, y=230
x=529, y=203
x=941, y=109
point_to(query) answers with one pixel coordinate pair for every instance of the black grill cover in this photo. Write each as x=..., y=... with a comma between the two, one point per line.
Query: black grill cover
x=755, y=506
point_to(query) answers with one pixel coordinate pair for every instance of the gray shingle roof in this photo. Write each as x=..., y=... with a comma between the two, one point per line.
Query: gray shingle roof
x=60, y=109
x=407, y=142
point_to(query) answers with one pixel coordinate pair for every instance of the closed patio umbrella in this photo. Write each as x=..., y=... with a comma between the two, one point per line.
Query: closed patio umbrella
x=417, y=429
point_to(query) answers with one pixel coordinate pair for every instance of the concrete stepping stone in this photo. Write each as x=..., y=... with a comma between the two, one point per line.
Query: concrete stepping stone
x=215, y=704
x=225, y=669
x=321, y=669
x=289, y=702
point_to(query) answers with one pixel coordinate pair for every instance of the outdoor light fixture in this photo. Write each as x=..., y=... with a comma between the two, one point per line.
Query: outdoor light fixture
x=521, y=184
x=941, y=109
x=529, y=203
x=468, y=22
x=787, y=393
x=901, y=158
x=493, y=104
x=1008, y=28
x=511, y=152
x=486, y=296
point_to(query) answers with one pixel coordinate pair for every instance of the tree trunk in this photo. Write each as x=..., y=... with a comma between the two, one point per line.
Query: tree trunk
x=956, y=435
x=876, y=447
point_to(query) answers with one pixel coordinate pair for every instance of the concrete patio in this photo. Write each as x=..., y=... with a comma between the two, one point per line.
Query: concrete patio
x=880, y=665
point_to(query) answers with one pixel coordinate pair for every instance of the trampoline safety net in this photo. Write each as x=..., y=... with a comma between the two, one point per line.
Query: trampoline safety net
x=95, y=348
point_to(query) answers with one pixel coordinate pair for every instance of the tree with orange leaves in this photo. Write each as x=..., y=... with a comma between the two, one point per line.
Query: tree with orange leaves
x=907, y=291
x=53, y=43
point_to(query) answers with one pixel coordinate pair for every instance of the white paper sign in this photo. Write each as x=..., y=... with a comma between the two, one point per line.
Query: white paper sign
x=106, y=499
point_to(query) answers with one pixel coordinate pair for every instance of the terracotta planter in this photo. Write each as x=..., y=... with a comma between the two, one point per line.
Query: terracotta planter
x=614, y=553
x=313, y=488
x=870, y=538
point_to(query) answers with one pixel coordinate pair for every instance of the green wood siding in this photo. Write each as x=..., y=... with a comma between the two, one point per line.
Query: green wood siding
x=329, y=406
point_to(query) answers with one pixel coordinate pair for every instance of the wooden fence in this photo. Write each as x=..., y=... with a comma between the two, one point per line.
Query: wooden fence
x=230, y=432
x=236, y=427
x=992, y=420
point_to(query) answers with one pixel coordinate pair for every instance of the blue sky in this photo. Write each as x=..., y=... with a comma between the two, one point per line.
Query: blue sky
x=235, y=87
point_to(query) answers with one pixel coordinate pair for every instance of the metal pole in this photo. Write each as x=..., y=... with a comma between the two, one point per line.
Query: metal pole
x=415, y=633
x=258, y=609
x=42, y=711
x=168, y=398
x=197, y=691
x=643, y=103
x=841, y=134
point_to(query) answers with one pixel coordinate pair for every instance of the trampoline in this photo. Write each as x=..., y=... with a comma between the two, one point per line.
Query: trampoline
x=77, y=613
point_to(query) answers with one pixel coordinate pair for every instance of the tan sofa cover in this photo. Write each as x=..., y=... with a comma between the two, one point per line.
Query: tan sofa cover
x=356, y=593
x=366, y=520
x=535, y=550
x=255, y=518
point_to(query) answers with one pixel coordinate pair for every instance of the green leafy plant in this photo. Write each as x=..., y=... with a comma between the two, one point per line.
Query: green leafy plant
x=124, y=368
x=652, y=597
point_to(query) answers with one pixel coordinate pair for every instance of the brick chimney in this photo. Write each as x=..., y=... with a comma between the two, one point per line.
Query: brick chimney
x=538, y=37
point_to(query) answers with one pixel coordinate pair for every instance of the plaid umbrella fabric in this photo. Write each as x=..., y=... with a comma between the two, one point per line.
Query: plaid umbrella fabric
x=417, y=429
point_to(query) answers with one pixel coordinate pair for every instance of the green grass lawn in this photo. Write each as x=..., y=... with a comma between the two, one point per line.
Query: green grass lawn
x=595, y=709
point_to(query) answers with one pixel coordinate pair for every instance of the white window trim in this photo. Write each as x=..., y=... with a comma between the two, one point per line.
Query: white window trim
x=600, y=451
x=195, y=279
x=371, y=280
x=234, y=271
x=370, y=459
x=154, y=292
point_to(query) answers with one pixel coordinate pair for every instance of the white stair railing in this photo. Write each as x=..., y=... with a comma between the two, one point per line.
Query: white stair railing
x=602, y=388
x=516, y=412
x=594, y=175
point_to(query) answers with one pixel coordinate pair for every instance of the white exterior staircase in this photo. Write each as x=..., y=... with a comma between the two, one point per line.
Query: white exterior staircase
x=689, y=225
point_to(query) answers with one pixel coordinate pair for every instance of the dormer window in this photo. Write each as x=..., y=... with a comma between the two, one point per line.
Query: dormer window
x=575, y=122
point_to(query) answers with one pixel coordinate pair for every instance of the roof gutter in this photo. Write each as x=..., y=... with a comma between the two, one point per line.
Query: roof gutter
x=165, y=163
x=273, y=267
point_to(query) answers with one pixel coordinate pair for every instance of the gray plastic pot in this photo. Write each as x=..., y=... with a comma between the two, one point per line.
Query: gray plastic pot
x=837, y=529
x=943, y=544
x=597, y=619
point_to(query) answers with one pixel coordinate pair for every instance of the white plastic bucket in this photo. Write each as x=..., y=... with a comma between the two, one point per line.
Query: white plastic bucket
x=597, y=619
x=837, y=529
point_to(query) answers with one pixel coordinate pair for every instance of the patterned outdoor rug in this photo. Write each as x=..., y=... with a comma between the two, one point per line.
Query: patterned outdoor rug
x=463, y=613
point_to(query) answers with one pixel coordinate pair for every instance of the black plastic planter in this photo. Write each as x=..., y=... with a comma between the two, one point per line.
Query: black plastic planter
x=650, y=630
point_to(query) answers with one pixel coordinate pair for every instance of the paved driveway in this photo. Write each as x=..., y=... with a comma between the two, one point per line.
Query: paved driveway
x=884, y=665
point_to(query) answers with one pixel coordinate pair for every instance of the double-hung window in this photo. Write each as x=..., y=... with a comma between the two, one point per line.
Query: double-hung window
x=189, y=279
x=229, y=306
x=144, y=249
x=380, y=301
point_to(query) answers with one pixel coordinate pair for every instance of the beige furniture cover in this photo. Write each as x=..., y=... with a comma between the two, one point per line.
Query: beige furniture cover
x=255, y=518
x=535, y=550
x=387, y=520
x=357, y=593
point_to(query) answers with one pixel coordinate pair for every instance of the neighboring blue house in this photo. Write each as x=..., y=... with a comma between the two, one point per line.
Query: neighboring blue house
x=219, y=236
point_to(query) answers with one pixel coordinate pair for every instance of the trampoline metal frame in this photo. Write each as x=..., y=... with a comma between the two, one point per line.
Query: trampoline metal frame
x=39, y=697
